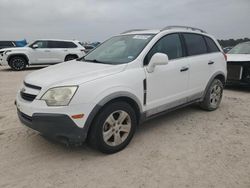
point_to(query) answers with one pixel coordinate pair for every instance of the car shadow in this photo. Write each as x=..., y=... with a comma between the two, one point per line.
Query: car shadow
x=143, y=130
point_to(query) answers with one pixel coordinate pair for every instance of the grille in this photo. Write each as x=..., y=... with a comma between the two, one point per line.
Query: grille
x=27, y=97
x=234, y=72
x=32, y=86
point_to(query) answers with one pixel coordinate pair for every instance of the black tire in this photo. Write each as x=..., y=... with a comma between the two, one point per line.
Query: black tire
x=213, y=96
x=18, y=63
x=70, y=57
x=100, y=123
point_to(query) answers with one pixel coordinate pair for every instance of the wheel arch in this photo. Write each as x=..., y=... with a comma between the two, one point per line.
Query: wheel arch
x=19, y=55
x=218, y=75
x=131, y=99
x=72, y=54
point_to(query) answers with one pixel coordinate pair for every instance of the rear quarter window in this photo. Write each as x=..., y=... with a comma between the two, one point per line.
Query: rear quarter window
x=212, y=47
x=195, y=44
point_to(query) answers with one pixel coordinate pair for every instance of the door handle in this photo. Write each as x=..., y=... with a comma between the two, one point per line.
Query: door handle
x=184, y=69
x=210, y=62
x=47, y=50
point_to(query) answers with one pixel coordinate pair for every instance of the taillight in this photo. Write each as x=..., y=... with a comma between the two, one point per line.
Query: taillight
x=225, y=56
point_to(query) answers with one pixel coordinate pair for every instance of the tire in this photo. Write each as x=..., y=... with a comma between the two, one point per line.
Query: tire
x=18, y=63
x=213, y=96
x=113, y=128
x=70, y=57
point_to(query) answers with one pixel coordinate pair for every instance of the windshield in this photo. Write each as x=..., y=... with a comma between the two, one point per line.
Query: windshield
x=243, y=48
x=119, y=49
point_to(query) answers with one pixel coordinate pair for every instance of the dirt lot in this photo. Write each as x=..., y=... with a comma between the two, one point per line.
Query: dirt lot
x=185, y=148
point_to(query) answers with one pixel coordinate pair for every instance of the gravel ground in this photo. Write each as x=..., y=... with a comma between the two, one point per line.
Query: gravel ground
x=185, y=148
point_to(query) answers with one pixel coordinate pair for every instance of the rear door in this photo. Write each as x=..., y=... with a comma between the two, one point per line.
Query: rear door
x=60, y=49
x=200, y=62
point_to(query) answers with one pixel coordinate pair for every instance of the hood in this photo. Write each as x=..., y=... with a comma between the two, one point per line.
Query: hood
x=238, y=57
x=15, y=49
x=71, y=73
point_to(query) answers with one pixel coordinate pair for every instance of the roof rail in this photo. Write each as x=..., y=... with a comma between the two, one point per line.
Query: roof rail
x=131, y=30
x=183, y=27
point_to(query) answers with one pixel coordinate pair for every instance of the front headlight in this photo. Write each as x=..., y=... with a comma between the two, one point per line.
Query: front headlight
x=59, y=96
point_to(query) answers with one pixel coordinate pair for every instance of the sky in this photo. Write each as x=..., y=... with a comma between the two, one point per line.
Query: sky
x=97, y=20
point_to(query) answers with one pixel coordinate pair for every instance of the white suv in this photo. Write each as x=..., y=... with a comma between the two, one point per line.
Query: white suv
x=128, y=79
x=41, y=52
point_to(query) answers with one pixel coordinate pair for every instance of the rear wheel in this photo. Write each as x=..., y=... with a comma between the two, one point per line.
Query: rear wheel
x=70, y=57
x=113, y=128
x=18, y=63
x=213, y=96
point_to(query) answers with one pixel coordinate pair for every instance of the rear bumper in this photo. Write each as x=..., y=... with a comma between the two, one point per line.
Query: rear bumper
x=55, y=126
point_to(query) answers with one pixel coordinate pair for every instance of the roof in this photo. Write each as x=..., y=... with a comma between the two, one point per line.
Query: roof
x=168, y=28
x=57, y=40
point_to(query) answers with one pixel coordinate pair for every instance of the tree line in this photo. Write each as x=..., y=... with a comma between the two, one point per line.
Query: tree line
x=232, y=42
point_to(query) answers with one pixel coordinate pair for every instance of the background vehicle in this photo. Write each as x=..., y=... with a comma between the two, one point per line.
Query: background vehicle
x=7, y=44
x=88, y=48
x=127, y=80
x=41, y=52
x=226, y=49
x=238, y=64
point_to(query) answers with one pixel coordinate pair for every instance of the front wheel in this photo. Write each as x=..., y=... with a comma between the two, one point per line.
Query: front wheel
x=17, y=63
x=113, y=128
x=213, y=96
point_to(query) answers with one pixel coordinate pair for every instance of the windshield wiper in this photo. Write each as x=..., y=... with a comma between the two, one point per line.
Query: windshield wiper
x=94, y=61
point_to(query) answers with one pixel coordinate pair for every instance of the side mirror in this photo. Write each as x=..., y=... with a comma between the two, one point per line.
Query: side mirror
x=34, y=46
x=157, y=59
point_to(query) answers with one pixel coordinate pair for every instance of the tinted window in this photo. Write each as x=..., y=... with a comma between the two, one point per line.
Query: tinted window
x=6, y=43
x=195, y=44
x=71, y=45
x=169, y=44
x=61, y=44
x=212, y=47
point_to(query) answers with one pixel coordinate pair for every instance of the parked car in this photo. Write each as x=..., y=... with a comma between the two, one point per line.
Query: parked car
x=7, y=44
x=238, y=64
x=226, y=49
x=127, y=80
x=88, y=48
x=41, y=52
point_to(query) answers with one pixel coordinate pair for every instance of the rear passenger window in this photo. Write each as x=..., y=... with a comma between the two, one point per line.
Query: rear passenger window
x=169, y=44
x=61, y=44
x=212, y=47
x=195, y=44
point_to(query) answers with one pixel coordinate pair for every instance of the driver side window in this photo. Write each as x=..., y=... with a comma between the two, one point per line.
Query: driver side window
x=41, y=44
x=169, y=44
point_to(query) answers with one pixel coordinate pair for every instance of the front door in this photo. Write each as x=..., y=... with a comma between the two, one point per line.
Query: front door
x=167, y=85
x=41, y=54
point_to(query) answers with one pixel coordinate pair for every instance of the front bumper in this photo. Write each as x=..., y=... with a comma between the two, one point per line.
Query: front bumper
x=3, y=60
x=55, y=126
